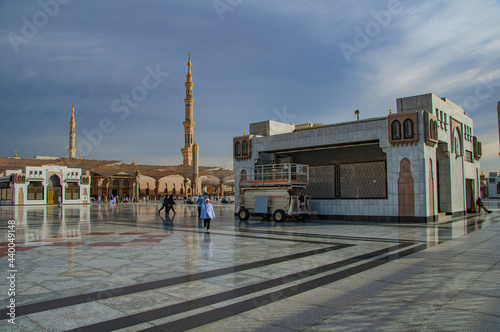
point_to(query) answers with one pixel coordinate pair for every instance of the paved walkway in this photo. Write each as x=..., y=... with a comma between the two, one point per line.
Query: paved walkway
x=102, y=267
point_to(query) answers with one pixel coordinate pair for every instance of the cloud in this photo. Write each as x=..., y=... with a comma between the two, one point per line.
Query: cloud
x=264, y=55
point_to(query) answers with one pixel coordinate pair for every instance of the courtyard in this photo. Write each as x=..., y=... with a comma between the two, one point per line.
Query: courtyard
x=108, y=267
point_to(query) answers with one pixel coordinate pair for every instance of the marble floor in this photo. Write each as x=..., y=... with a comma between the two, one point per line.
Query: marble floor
x=125, y=267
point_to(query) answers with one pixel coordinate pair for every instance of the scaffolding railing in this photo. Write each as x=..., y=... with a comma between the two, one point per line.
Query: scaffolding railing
x=295, y=175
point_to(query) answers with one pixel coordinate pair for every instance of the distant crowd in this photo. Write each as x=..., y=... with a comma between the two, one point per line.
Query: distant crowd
x=147, y=199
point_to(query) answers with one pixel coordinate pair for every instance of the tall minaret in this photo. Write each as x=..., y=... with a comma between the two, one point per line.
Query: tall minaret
x=187, y=153
x=72, y=149
x=195, y=167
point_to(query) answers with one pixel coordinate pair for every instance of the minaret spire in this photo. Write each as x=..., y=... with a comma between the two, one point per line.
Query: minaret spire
x=72, y=149
x=187, y=151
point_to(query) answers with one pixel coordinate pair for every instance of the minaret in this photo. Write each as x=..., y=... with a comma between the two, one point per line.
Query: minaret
x=187, y=153
x=72, y=149
x=195, y=167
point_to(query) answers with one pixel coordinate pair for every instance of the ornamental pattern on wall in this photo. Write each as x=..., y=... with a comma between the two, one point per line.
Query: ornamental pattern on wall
x=363, y=180
x=321, y=182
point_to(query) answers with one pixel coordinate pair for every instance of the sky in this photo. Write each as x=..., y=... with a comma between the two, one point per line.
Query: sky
x=123, y=64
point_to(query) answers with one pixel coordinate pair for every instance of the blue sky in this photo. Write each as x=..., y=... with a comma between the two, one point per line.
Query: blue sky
x=124, y=63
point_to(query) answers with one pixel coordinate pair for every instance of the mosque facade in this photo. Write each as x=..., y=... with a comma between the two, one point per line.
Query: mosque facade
x=413, y=165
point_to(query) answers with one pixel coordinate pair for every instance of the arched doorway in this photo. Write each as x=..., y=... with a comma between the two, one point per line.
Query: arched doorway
x=54, y=190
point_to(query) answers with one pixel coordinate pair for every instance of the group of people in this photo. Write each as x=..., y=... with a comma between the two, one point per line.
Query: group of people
x=168, y=203
x=205, y=209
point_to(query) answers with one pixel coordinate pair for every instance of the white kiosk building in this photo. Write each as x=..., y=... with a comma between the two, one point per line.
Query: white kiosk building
x=47, y=184
x=408, y=166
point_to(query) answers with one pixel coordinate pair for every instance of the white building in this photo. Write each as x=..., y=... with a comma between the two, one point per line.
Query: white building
x=493, y=185
x=48, y=184
x=408, y=166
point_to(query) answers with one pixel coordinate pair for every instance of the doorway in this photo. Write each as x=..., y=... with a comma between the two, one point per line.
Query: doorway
x=470, y=196
x=54, y=190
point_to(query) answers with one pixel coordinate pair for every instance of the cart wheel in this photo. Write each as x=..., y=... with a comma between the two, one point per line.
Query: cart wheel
x=300, y=217
x=244, y=214
x=279, y=215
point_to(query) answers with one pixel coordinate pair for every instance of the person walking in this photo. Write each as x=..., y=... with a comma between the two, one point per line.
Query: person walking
x=200, y=203
x=481, y=205
x=171, y=203
x=207, y=214
x=164, y=203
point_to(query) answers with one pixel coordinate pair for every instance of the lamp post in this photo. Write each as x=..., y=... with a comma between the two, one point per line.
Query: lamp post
x=357, y=114
x=137, y=178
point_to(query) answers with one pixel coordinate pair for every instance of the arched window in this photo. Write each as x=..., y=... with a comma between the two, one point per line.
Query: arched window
x=244, y=148
x=243, y=175
x=237, y=149
x=458, y=148
x=396, y=130
x=434, y=130
x=408, y=128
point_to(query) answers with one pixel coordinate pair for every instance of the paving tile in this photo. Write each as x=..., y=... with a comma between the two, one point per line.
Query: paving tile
x=395, y=309
x=22, y=324
x=241, y=323
x=74, y=316
x=465, y=301
x=140, y=302
x=450, y=319
x=351, y=321
x=290, y=314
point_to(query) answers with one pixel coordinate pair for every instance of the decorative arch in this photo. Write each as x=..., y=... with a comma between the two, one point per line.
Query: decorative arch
x=457, y=142
x=54, y=189
x=406, y=196
x=54, y=181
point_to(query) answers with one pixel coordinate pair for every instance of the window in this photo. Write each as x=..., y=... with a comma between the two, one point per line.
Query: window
x=35, y=191
x=5, y=194
x=244, y=148
x=237, y=149
x=72, y=191
x=433, y=130
x=468, y=156
x=441, y=119
x=445, y=121
x=498, y=188
x=458, y=149
x=396, y=130
x=408, y=128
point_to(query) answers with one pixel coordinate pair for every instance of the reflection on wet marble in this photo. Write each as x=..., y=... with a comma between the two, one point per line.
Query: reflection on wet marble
x=100, y=267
